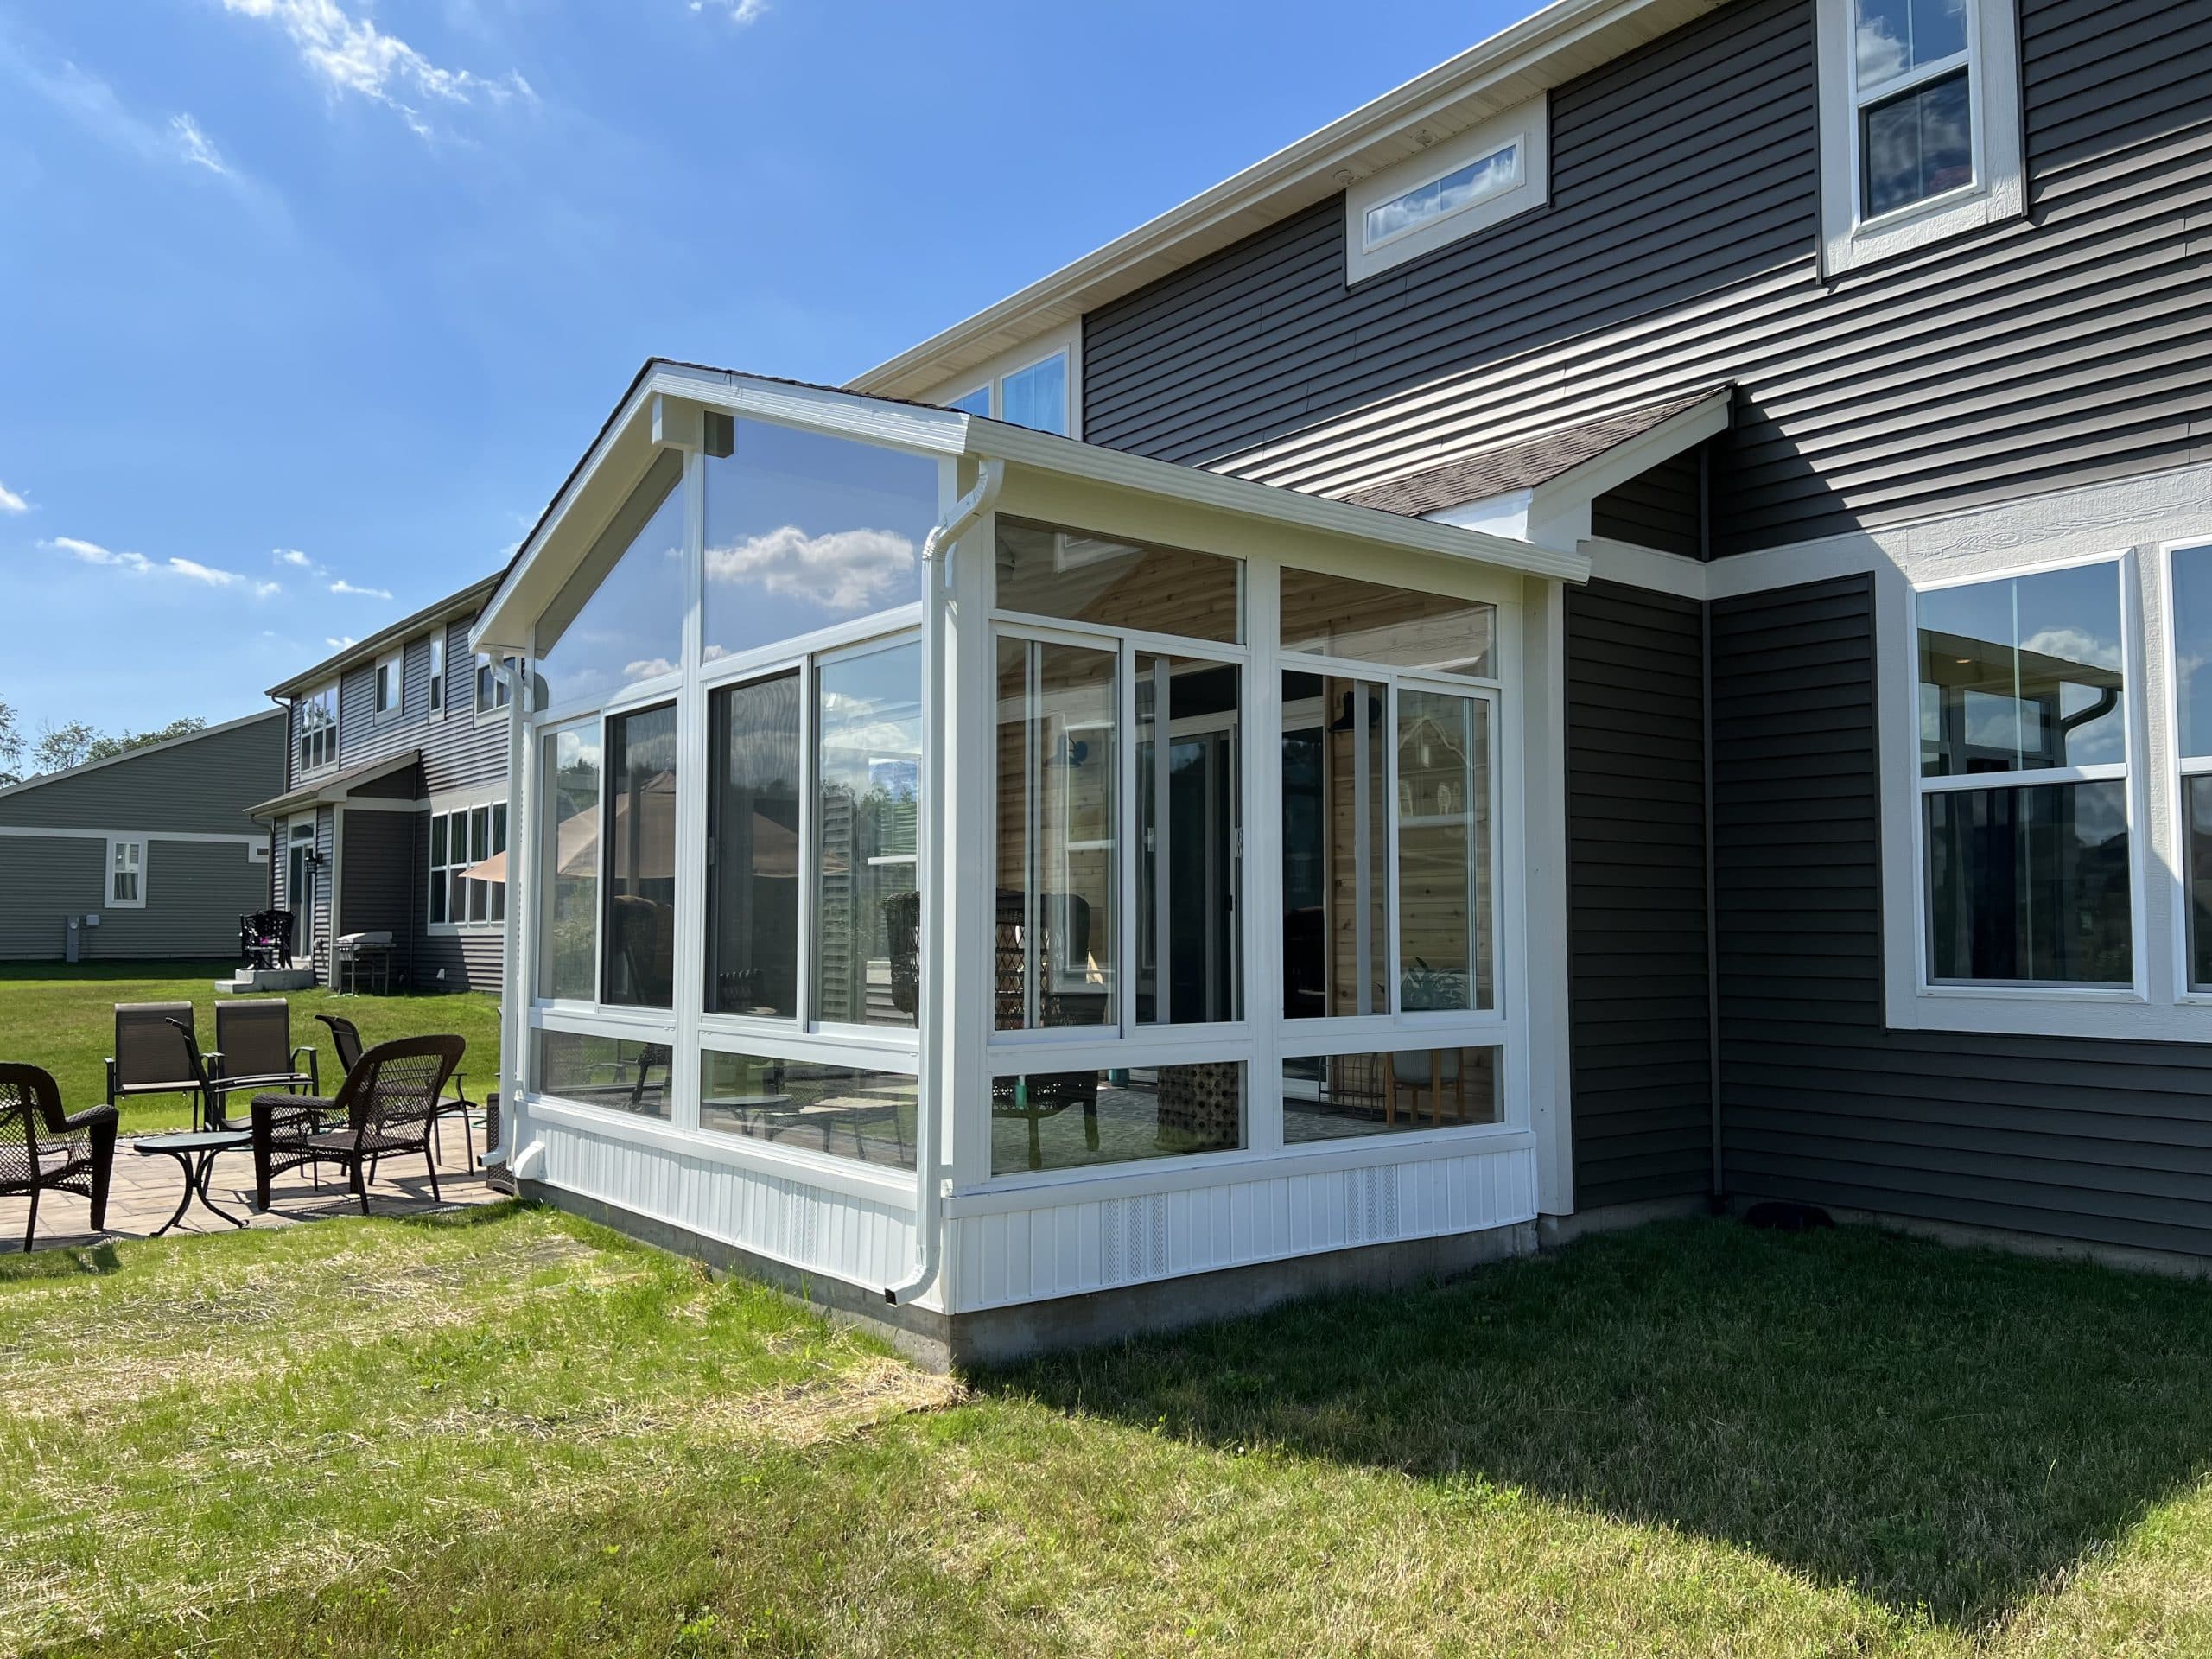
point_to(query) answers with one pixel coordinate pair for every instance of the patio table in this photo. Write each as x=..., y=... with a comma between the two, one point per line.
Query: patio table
x=195, y=1154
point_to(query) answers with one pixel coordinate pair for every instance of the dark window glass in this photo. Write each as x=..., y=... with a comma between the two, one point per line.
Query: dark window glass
x=752, y=794
x=2192, y=605
x=1917, y=145
x=1189, y=867
x=1332, y=1097
x=839, y=1109
x=569, y=867
x=639, y=968
x=1336, y=942
x=2029, y=885
x=868, y=913
x=2022, y=674
x=610, y=1072
x=1065, y=1120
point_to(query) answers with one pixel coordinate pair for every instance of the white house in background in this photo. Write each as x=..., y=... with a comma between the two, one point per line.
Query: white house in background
x=1019, y=889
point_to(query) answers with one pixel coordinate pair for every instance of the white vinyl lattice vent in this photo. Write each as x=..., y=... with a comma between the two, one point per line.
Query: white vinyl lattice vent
x=1133, y=1239
x=1371, y=1204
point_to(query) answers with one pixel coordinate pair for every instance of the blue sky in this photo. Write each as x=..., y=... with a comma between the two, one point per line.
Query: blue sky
x=306, y=306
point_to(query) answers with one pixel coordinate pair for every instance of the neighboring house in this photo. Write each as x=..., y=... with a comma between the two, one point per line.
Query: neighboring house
x=1620, y=627
x=395, y=786
x=151, y=853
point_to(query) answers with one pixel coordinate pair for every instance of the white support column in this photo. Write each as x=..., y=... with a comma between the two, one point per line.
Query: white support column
x=969, y=909
x=1543, y=740
x=689, y=983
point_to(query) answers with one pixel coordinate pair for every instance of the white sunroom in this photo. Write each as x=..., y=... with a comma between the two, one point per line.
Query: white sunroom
x=962, y=869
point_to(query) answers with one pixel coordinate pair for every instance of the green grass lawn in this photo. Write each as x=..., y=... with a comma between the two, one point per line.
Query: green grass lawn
x=509, y=1432
x=62, y=1017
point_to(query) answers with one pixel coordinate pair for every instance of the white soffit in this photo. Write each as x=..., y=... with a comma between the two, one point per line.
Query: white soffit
x=1565, y=39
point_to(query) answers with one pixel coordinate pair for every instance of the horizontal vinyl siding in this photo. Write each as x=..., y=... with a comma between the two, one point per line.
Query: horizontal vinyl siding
x=457, y=753
x=43, y=883
x=380, y=885
x=2108, y=1142
x=1637, y=967
x=195, y=892
x=202, y=787
x=1679, y=249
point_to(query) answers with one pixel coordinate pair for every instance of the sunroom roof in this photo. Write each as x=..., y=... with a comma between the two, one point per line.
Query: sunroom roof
x=628, y=440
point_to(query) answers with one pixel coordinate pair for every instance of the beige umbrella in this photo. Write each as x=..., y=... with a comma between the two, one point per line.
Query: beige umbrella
x=775, y=845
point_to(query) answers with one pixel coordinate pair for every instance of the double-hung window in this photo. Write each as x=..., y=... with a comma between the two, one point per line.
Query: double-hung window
x=493, y=691
x=2023, y=817
x=126, y=876
x=317, y=729
x=460, y=839
x=389, y=687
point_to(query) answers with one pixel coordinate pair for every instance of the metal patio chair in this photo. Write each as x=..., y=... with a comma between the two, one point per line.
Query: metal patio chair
x=44, y=1150
x=388, y=1101
x=254, y=1050
x=149, y=1058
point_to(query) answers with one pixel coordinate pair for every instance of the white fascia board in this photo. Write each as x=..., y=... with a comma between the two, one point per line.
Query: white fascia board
x=1564, y=40
x=1494, y=515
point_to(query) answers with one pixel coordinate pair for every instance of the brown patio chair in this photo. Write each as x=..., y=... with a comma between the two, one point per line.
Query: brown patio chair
x=43, y=1150
x=254, y=1051
x=390, y=1103
x=149, y=1058
x=345, y=1038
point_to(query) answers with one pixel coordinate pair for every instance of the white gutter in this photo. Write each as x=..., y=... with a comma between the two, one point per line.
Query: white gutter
x=930, y=1093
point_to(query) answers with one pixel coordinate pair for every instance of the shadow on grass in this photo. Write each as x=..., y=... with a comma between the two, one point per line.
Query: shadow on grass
x=96, y=1260
x=1944, y=1431
x=470, y=1215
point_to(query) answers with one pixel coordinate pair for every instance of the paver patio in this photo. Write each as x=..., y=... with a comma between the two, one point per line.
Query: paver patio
x=146, y=1186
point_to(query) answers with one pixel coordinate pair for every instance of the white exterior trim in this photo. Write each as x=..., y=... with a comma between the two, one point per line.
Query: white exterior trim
x=1998, y=190
x=137, y=867
x=44, y=832
x=395, y=660
x=988, y=377
x=1527, y=129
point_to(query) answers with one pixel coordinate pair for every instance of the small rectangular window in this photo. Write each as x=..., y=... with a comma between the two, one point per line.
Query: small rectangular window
x=1069, y=1120
x=438, y=673
x=126, y=861
x=317, y=728
x=977, y=401
x=1455, y=185
x=843, y=1110
x=390, y=681
x=1462, y=187
x=1037, y=397
x=493, y=691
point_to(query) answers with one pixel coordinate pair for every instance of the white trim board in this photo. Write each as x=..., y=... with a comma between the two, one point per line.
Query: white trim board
x=44, y=832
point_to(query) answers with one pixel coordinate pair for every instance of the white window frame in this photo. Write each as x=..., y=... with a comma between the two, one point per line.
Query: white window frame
x=1997, y=191
x=987, y=380
x=435, y=646
x=328, y=736
x=2182, y=767
x=391, y=671
x=137, y=847
x=462, y=807
x=1525, y=128
x=484, y=711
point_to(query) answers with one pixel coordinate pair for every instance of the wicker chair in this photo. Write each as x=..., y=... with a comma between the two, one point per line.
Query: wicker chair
x=345, y=1038
x=41, y=1150
x=390, y=1100
x=265, y=939
x=148, y=1058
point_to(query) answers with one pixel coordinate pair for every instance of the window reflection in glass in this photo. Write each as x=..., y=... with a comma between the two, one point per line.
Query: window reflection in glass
x=752, y=797
x=867, y=908
x=2192, y=608
x=2022, y=673
x=1892, y=37
x=638, y=934
x=2197, y=799
x=1444, y=954
x=1336, y=846
x=619, y=619
x=1070, y=1120
x=609, y=1072
x=1336, y=616
x=1917, y=145
x=1188, y=867
x=805, y=530
x=569, y=858
x=2029, y=885
x=1055, y=836
x=1335, y=1097
x=1037, y=397
x=842, y=1110
x=1070, y=573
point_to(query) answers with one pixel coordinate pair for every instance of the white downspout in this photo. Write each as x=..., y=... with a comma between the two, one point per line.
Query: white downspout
x=514, y=1031
x=936, y=555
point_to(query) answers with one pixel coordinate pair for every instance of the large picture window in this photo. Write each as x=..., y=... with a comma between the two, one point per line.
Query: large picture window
x=638, y=929
x=867, y=905
x=568, y=860
x=461, y=840
x=2025, y=831
x=619, y=620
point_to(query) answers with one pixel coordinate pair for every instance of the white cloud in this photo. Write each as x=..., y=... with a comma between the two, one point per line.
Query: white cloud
x=194, y=146
x=351, y=54
x=338, y=642
x=94, y=553
x=844, y=570
x=2074, y=646
x=10, y=502
x=740, y=12
x=139, y=565
x=342, y=586
x=650, y=668
x=291, y=556
x=199, y=572
x=267, y=589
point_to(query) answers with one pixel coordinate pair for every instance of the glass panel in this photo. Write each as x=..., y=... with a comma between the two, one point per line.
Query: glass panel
x=1918, y=144
x=2197, y=802
x=1055, y=836
x=1330, y=1097
x=1338, y=617
x=620, y=619
x=498, y=890
x=1038, y=396
x=568, y=855
x=805, y=530
x=1088, y=578
x=838, y=1109
x=437, y=673
x=753, y=790
x=638, y=966
x=2029, y=885
x=1443, y=851
x=1892, y=37
x=977, y=401
x=438, y=841
x=2192, y=601
x=2022, y=673
x=1189, y=867
x=1462, y=187
x=1335, y=867
x=867, y=912
x=611, y=1072
x=1065, y=1120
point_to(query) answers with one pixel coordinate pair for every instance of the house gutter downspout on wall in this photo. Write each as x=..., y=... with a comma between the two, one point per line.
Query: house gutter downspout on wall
x=936, y=556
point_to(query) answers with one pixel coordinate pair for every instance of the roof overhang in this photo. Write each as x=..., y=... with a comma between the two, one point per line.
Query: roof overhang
x=1565, y=39
x=665, y=403
x=335, y=787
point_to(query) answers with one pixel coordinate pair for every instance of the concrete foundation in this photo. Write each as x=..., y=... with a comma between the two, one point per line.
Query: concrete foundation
x=1001, y=1335
x=249, y=982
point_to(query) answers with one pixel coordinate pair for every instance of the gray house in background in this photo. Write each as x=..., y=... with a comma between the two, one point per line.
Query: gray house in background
x=153, y=853
x=393, y=787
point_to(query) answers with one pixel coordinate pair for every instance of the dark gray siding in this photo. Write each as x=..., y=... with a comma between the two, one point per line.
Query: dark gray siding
x=2103, y=1142
x=457, y=751
x=1661, y=508
x=1636, y=966
x=44, y=880
x=203, y=786
x=380, y=885
x=1680, y=249
x=195, y=892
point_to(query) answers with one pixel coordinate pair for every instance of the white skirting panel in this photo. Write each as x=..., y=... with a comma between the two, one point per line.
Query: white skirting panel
x=862, y=1240
x=1067, y=1248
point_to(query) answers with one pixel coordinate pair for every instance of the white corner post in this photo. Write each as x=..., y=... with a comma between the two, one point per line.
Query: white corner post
x=514, y=1003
